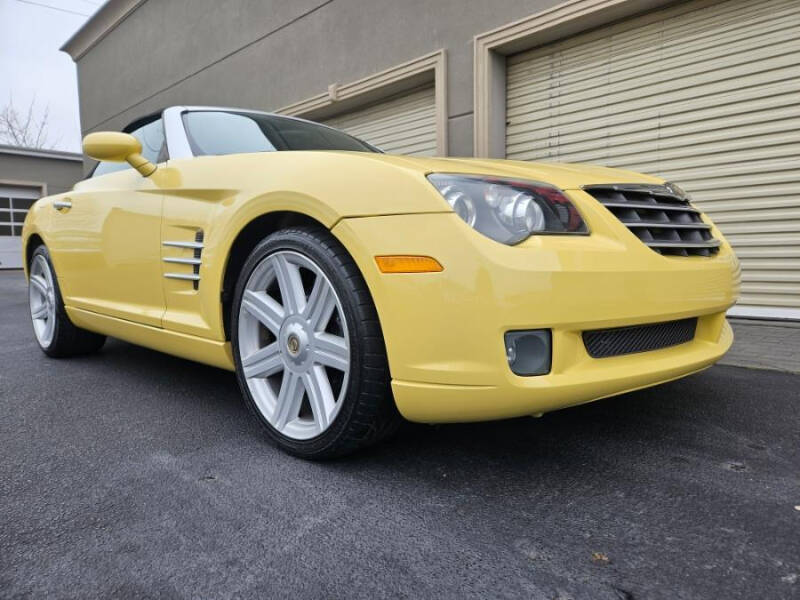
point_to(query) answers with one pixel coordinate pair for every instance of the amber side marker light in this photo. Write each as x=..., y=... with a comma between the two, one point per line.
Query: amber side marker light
x=408, y=264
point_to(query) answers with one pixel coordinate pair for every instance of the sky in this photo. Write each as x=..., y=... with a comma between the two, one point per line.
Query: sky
x=32, y=67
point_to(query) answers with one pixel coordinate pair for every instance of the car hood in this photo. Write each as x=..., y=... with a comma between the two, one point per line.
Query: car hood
x=562, y=175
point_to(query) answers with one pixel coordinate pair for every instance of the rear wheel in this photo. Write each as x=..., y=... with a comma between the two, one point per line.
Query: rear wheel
x=55, y=333
x=310, y=356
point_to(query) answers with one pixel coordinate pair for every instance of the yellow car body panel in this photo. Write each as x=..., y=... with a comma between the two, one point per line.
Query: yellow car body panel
x=443, y=331
x=106, y=246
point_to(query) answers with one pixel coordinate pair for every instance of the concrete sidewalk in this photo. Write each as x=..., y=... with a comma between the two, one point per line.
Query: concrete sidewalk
x=765, y=345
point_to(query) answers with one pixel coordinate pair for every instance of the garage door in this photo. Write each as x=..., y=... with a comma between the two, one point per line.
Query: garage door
x=706, y=94
x=14, y=204
x=404, y=124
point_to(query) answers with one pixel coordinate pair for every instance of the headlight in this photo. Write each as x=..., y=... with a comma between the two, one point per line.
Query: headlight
x=509, y=210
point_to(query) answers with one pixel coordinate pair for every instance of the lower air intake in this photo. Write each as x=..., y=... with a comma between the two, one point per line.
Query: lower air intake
x=603, y=343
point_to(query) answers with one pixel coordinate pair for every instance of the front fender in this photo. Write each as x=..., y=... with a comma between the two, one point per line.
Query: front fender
x=224, y=232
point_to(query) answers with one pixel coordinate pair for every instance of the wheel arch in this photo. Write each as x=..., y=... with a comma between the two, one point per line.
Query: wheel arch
x=246, y=239
x=32, y=242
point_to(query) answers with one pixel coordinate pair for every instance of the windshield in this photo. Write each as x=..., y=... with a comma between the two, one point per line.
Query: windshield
x=230, y=132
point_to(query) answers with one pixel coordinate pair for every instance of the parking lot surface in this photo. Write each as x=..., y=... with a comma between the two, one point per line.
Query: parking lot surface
x=135, y=474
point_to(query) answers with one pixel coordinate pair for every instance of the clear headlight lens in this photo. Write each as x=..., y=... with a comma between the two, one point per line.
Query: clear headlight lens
x=509, y=210
x=461, y=203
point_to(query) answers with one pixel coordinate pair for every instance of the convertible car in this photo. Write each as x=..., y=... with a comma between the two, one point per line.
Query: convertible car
x=348, y=288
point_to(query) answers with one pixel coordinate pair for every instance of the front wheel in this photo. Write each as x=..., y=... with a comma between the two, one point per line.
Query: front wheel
x=310, y=355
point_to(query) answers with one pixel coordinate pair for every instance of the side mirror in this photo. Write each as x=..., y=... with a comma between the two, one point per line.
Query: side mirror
x=113, y=146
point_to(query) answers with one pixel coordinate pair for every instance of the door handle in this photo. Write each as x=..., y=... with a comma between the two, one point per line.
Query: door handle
x=66, y=204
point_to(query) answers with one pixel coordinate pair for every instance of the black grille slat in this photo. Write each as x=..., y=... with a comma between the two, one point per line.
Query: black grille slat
x=666, y=224
x=649, y=206
x=686, y=244
x=662, y=219
x=604, y=343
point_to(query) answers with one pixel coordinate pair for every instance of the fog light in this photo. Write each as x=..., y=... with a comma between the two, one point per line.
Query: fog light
x=528, y=352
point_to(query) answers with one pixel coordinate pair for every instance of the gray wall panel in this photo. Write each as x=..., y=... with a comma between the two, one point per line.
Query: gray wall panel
x=185, y=52
x=59, y=175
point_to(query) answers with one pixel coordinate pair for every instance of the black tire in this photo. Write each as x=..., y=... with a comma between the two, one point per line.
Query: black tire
x=67, y=339
x=368, y=413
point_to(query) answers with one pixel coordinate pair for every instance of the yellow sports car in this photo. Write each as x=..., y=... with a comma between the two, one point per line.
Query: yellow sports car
x=347, y=287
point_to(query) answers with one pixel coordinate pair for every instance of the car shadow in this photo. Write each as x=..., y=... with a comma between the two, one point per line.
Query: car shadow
x=667, y=435
x=667, y=422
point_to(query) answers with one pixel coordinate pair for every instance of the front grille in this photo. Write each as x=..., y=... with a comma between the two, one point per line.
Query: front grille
x=659, y=216
x=602, y=343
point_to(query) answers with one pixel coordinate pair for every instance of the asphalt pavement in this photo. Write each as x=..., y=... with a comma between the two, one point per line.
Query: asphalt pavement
x=135, y=474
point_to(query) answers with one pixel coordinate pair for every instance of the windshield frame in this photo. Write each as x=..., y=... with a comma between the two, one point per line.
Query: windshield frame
x=180, y=146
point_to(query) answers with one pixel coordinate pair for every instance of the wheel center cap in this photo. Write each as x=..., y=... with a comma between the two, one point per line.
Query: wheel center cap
x=295, y=340
x=293, y=344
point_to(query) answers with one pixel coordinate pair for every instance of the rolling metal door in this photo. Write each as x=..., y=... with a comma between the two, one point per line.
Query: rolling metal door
x=402, y=125
x=14, y=204
x=706, y=94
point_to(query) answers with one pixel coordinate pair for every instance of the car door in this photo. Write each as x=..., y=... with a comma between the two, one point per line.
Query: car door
x=105, y=238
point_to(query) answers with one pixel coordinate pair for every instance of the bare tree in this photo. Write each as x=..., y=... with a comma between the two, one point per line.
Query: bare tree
x=26, y=130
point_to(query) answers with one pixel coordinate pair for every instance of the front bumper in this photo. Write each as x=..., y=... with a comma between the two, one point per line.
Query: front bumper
x=583, y=380
x=444, y=331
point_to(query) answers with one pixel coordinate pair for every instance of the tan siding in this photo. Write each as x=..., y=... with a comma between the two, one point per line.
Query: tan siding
x=401, y=125
x=706, y=94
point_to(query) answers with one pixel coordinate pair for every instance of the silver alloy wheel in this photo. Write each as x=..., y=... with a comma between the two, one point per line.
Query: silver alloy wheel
x=42, y=300
x=293, y=345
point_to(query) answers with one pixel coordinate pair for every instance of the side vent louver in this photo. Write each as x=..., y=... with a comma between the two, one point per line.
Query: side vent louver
x=198, y=252
x=194, y=261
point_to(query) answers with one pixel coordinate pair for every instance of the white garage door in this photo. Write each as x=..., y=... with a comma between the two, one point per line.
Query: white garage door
x=14, y=204
x=706, y=94
x=405, y=124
